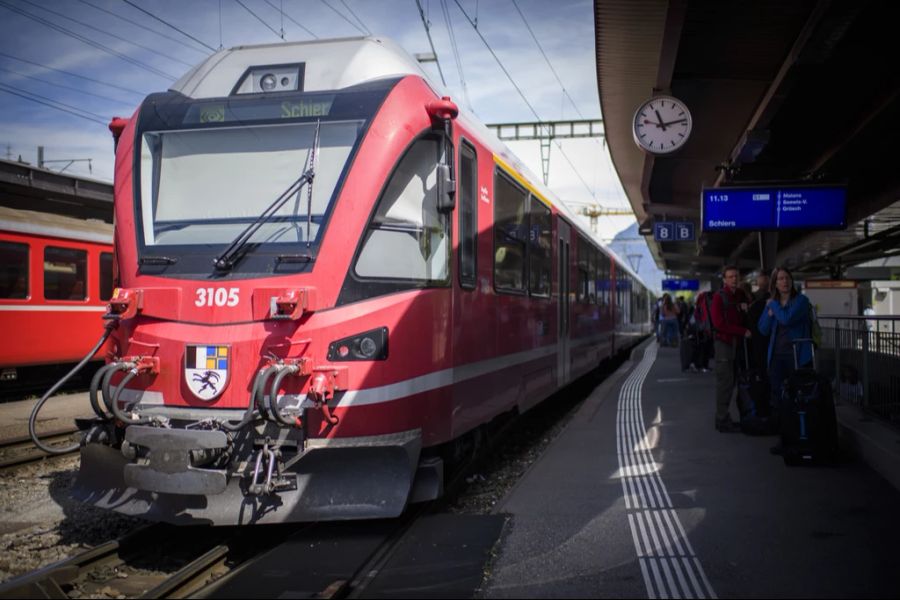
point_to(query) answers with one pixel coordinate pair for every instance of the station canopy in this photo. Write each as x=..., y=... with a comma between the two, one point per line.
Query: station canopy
x=781, y=93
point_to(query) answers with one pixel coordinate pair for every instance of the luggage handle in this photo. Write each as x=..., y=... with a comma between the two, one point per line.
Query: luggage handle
x=797, y=342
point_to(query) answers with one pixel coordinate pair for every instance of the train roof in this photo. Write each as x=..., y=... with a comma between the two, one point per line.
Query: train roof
x=331, y=64
x=56, y=226
x=334, y=64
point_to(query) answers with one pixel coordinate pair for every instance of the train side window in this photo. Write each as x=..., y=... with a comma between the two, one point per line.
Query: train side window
x=592, y=275
x=540, y=248
x=65, y=274
x=468, y=215
x=583, y=269
x=510, y=235
x=14, y=273
x=106, y=275
x=604, y=283
x=407, y=237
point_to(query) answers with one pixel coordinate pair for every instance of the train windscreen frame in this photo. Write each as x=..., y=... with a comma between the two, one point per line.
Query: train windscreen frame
x=266, y=142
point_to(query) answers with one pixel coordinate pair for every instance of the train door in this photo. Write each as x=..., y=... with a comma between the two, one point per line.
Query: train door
x=562, y=365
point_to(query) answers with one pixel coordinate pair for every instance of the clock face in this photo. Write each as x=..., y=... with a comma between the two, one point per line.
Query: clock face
x=662, y=125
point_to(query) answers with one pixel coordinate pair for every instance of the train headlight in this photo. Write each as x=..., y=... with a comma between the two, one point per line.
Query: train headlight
x=268, y=82
x=265, y=79
x=370, y=345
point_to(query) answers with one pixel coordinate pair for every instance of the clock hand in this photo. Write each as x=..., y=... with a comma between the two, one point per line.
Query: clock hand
x=674, y=122
x=661, y=124
x=649, y=122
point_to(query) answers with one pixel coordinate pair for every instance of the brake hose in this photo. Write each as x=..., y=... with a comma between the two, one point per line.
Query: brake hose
x=32, y=420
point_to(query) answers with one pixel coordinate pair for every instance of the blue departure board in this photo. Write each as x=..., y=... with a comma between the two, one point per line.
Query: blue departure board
x=773, y=208
x=680, y=285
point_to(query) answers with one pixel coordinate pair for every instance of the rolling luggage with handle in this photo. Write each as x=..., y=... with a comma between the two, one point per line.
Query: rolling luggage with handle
x=808, y=418
x=753, y=399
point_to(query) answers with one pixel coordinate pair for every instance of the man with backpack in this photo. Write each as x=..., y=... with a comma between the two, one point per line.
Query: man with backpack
x=728, y=307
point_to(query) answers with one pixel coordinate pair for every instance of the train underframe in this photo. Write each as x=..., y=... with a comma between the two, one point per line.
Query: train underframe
x=263, y=473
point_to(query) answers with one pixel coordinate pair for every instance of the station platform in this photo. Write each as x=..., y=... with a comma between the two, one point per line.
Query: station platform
x=641, y=497
x=58, y=413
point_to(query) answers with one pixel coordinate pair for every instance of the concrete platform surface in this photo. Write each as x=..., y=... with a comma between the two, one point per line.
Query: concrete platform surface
x=641, y=497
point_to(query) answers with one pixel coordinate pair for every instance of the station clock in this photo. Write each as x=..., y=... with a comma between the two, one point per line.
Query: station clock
x=661, y=125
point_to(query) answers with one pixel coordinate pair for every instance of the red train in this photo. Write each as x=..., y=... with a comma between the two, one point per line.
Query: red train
x=56, y=278
x=328, y=277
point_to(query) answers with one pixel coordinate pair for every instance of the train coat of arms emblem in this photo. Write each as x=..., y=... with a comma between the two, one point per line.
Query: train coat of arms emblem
x=206, y=370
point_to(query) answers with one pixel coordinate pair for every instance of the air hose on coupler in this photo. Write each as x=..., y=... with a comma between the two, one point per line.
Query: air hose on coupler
x=32, y=420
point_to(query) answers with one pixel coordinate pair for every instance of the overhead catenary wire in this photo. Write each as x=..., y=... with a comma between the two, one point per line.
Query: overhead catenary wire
x=142, y=26
x=69, y=73
x=547, y=59
x=260, y=19
x=292, y=20
x=427, y=24
x=52, y=103
x=355, y=16
x=167, y=24
x=522, y=95
x=105, y=32
x=59, y=85
x=343, y=16
x=559, y=80
x=88, y=41
x=456, y=57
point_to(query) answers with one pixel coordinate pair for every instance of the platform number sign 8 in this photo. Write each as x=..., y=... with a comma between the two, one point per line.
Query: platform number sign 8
x=664, y=232
x=217, y=297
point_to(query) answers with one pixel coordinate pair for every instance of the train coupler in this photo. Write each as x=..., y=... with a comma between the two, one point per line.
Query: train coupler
x=268, y=461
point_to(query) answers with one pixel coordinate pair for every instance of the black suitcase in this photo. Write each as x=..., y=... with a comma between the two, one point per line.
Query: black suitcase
x=688, y=350
x=808, y=419
x=753, y=400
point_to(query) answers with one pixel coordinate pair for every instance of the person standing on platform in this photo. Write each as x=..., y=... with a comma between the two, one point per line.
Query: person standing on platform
x=785, y=319
x=703, y=329
x=728, y=308
x=669, y=315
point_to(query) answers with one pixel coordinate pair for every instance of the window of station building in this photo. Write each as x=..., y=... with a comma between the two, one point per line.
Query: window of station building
x=65, y=274
x=510, y=235
x=106, y=275
x=14, y=271
x=540, y=248
x=468, y=215
x=407, y=238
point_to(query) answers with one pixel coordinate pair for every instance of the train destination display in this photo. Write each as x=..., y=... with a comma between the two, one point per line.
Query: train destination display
x=766, y=208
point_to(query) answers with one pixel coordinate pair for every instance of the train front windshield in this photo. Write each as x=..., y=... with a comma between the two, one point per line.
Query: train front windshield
x=208, y=169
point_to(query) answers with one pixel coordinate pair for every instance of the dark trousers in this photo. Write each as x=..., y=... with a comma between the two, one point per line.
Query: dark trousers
x=724, y=379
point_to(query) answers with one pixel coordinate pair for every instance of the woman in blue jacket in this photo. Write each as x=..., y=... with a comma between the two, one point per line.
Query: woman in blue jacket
x=785, y=319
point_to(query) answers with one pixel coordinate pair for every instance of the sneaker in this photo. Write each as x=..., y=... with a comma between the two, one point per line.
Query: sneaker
x=693, y=369
x=705, y=370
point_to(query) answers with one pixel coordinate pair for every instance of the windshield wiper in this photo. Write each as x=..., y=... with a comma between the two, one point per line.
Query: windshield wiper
x=233, y=252
x=236, y=249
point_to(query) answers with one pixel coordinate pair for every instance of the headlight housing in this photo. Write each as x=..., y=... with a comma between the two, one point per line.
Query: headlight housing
x=370, y=345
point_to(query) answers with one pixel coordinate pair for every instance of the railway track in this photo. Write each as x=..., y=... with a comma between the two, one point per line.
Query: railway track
x=18, y=451
x=155, y=561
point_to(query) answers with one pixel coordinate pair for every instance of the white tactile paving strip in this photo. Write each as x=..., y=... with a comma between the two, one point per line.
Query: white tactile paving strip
x=668, y=563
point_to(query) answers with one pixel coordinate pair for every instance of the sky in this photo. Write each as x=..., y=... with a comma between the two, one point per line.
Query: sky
x=99, y=58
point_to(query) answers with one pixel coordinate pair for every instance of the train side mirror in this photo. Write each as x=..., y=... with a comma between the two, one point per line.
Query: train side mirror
x=446, y=189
